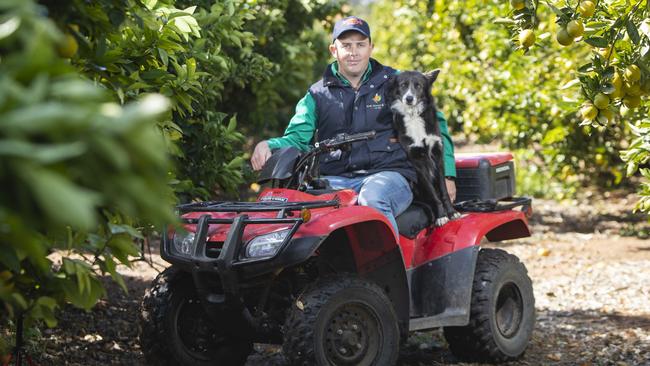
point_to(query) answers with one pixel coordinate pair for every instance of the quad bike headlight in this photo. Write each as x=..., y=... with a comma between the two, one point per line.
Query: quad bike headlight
x=266, y=245
x=183, y=242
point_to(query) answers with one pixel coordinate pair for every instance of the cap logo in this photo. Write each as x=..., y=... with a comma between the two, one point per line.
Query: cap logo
x=354, y=21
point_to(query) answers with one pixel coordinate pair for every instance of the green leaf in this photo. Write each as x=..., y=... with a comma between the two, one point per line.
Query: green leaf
x=84, y=300
x=9, y=258
x=45, y=154
x=597, y=42
x=632, y=31
x=122, y=247
x=61, y=199
x=125, y=229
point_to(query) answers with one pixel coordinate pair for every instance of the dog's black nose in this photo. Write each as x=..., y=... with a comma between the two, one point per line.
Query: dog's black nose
x=409, y=99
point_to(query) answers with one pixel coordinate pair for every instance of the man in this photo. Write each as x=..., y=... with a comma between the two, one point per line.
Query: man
x=350, y=98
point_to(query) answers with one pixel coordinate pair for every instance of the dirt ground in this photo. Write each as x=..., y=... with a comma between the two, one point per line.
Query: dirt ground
x=590, y=265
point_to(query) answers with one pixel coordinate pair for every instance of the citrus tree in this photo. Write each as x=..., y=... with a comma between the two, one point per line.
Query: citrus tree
x=219, y=63
x=505, y=77
x=615, y=77
x=76, y=169
x=84, y=149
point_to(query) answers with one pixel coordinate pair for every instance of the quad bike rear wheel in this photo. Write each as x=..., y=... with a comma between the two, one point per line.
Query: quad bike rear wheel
x=342, y=320
x=175, y=330
x=502, y=314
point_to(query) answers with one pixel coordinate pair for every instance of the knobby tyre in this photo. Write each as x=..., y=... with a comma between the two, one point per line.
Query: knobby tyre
x=342, y=320
x=502, y=315
x=175, y=330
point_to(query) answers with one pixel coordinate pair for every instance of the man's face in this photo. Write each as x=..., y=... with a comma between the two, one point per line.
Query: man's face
x=352, y=50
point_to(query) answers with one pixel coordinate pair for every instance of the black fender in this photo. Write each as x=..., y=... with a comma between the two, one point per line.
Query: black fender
x=441, y=290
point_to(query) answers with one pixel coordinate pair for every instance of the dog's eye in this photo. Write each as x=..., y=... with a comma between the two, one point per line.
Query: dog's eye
x=418, y=86
x=404, y=85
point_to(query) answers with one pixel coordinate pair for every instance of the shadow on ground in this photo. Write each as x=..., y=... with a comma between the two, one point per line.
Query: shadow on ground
x=107, y=335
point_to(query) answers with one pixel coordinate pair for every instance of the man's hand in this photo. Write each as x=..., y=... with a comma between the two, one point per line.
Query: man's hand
x=451, y=189
x=261, y=154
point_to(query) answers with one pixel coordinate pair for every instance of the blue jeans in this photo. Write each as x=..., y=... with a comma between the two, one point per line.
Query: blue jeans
x=389, y=192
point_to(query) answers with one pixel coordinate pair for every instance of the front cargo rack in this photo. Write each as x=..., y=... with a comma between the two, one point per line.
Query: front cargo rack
x=228, y=255
x=227, y=206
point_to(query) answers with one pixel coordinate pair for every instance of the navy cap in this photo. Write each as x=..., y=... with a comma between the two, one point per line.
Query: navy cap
x=350, y=24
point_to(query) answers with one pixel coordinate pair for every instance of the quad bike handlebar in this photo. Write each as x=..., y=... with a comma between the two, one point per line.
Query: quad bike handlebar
x=307, y=167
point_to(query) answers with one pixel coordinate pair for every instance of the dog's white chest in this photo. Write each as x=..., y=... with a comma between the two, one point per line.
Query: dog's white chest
x=414, y=125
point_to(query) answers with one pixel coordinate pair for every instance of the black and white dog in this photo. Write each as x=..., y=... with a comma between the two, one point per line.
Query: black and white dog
x=414, y=118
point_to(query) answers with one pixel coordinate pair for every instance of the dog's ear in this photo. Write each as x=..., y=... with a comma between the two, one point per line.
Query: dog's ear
x=432, y=75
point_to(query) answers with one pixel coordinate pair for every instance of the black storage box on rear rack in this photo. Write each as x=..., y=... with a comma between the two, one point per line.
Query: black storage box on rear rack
x=484, y=176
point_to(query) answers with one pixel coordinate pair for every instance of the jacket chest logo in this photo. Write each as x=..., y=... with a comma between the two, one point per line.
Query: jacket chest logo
x=377, y=103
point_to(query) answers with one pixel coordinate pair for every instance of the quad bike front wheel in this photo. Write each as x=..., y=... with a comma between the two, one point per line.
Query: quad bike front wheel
x=502, y=314
x=175, y=330
x=342, y=320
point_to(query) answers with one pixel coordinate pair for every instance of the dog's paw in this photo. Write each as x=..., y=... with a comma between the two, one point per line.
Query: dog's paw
x=441, y=221
x=454, y=215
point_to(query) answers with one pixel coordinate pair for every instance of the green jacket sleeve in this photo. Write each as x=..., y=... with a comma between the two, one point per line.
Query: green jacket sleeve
x=448, y=145
x=301, y=128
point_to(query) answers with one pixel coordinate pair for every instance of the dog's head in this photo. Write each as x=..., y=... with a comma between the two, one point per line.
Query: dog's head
x=412, y=87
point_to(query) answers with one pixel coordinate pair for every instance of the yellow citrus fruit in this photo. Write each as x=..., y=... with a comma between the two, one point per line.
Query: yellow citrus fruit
x=645, y=88
x=601, y=101
x=518, y=4
x=617, y=93
x=607, y=113
x=604, y=52
x=563, y=37
x=527, y=38
x=617, y=80
x=68, y=47
x=575, y=28
x=632, y=89
x=632, y=73
x=624, y=111
x=588, y=111
x=632, y=101
x=587, y=8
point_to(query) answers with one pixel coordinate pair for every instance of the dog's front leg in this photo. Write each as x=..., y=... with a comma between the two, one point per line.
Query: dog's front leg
x=437, y=156
x=426, y=172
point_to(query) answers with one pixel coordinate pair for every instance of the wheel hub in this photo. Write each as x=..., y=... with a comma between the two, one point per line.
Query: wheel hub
x=352, y=336
x=509, y=310
x=195, y=330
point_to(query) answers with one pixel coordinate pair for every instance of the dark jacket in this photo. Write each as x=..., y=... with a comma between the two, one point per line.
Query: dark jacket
x=342, y=109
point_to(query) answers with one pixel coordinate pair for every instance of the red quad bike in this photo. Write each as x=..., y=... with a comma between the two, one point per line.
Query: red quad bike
x=306, y=267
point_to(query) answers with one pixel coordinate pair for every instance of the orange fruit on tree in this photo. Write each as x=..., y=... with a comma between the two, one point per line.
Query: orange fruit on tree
x=518, y=4
x=587, y=8
x=617, y=93
x=645, y=88
x=575, y=28
x=632, y=101
x=607, y=113
x=604, y=52
x=601, y=101
x=632, y=88
x=527, y=38
x=68, y=47
x=563, y=37
x=588, y=111
x=632, y=73
x=617, y=80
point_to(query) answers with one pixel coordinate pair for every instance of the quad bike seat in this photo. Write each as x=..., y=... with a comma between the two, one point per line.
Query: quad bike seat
x=416, y=217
